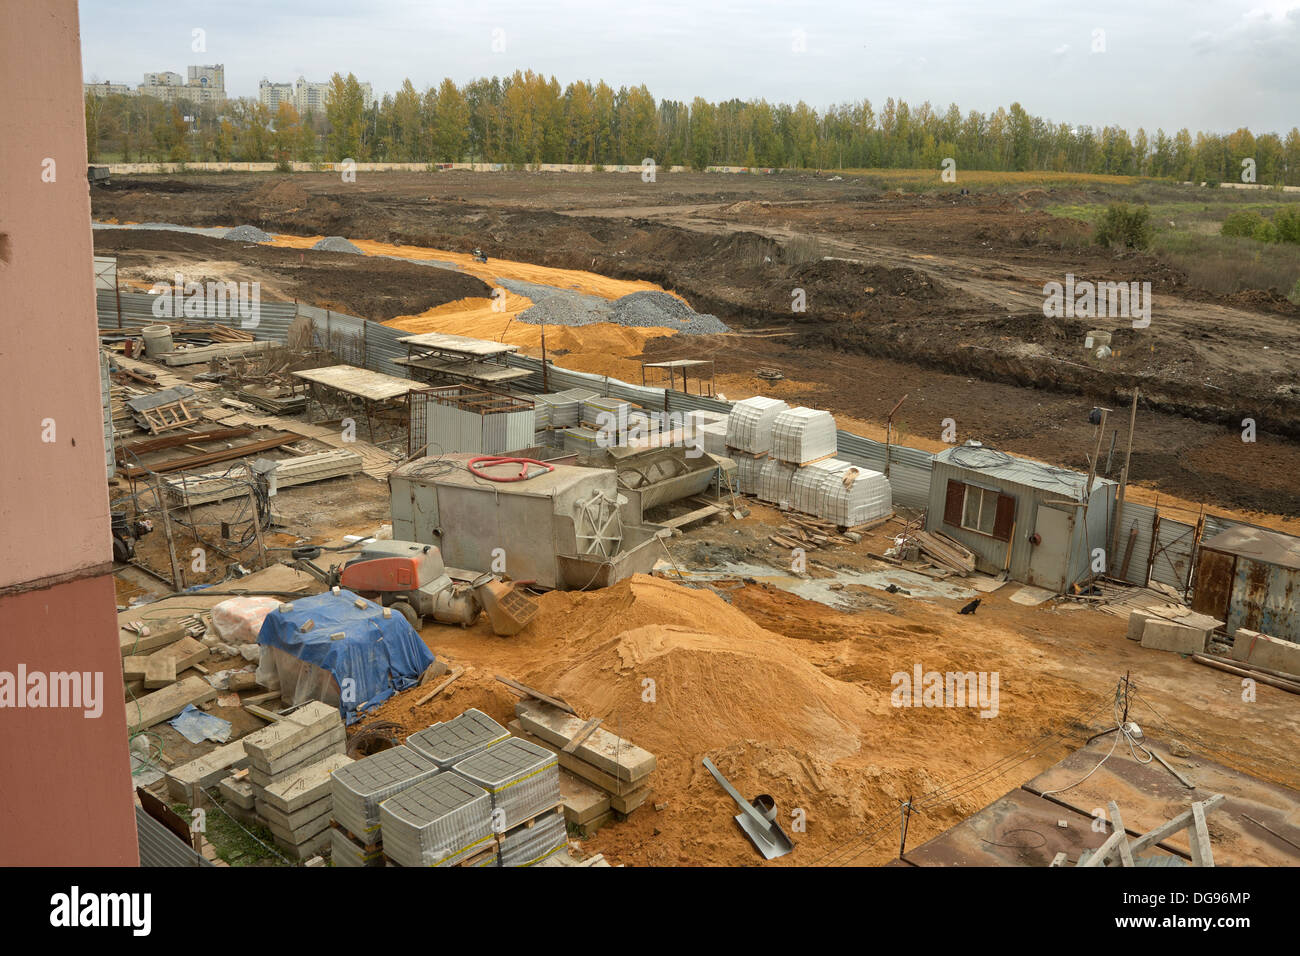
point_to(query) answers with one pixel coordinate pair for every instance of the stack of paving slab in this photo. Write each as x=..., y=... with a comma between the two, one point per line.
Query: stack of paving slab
x=806, y=487
x=708, y=430
x=444, y=820
x=359, y=788
x=290, y=764
x=581, y=440
x=802, y=435
x=751, y=423
x=604, y=778
x=867, y=497
x=565, y=408
x=605, y=412
x=749, y=438
x=448, y=743
x=774, y=481
x=749, y=469
x=522, y=778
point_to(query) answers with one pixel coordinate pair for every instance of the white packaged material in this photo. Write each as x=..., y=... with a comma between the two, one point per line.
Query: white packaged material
x=774, y=482
x=802, y=435
x=807, y=488
x=867, y=497
x=749, y=426
x=748, y=469
x=712, y=438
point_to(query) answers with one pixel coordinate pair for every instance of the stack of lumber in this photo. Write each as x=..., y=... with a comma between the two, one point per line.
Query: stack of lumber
x=603, y=776
x=945, y=552
x=813, y=533
x=290, y=769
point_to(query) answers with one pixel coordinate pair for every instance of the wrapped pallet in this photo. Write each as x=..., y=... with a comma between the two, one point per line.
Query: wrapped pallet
x=440, y=821
x=748, y=469
x=856, y=496
x=803, y=435
x=749, y=426
x=712, y=437
x=359, y=788
x=807, y=492
x=774, y=482
x=522, y=778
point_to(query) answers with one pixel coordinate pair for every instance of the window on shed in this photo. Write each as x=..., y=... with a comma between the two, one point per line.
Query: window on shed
x=980, y=511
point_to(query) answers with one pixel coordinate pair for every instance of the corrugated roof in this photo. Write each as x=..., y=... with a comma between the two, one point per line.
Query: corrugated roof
x=1271, y=547
x=160, y=847
x=1022, y=471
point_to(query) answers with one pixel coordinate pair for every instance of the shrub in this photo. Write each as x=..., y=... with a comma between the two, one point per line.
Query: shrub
x=1287, y=223
x=1243, y=222
x=1125, y=226
x=1264, y=231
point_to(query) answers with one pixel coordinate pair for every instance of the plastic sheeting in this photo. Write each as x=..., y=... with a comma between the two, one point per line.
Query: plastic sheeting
x=749, y=426
x=803, y=435
x=349, y=639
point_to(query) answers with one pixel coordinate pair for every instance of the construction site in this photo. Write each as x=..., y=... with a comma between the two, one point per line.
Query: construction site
x=727, y=540
x=532, y=518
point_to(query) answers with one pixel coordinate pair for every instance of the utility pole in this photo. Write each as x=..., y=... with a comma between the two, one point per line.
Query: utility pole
x=1123, y=477
x=889, y=430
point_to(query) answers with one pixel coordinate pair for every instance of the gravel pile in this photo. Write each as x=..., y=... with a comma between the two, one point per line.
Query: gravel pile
x=336, y=244
x=248, y=234
x=641, y=309
x=651, y=308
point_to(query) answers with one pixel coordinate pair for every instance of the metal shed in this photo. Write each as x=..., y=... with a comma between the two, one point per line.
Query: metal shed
x=462, y=418
x=1020, y=515
x=1250, y=577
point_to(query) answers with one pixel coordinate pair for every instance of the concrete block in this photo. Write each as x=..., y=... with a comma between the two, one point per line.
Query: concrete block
x=1274, y=653
x=238, y=793
x=304, y=815
x=302, y=851
x=578, y=767
x=304, y=831
x=303, y=785
x=603, y=750
x=266, y=746
x=582, y=802
x=1163, y=635
x=627, y=802
x=1136, y=621
x=205, y=771
x=332, y=742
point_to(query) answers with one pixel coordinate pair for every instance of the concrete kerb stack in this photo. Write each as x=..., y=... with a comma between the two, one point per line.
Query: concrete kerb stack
x=604, y=778
x=289, y=767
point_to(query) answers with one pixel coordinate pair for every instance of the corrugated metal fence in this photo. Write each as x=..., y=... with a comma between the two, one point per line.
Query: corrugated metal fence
x=374, y=346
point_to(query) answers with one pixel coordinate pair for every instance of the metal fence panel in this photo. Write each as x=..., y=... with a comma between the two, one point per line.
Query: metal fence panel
x=1172, y=562
x=1139, y=518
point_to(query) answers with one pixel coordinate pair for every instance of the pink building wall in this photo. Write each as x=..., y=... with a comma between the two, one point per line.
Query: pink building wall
x=65, y=787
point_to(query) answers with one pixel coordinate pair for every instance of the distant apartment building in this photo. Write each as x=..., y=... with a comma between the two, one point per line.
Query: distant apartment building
x=310, y=97
x=272, y=95
x=206, y=84
x=107, y=89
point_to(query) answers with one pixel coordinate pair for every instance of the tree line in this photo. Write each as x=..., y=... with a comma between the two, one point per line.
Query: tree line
x=526, y=118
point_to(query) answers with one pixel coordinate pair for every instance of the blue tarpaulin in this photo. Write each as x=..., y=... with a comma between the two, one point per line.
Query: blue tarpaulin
x=370, y=656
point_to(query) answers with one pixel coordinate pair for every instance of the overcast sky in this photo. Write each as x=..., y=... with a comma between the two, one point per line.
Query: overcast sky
x=1204, y=64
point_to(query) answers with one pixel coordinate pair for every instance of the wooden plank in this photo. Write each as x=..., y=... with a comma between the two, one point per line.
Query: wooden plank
x=451, y=678
x=1177, y=824
x=224, y=454
x=1106, y=849
x=1199, y=837
x=525, y=691
x=1165, y=763
x=168, y=702
x=1125, y=851
x=583, y=733
x=262, y=712
x=699, y=514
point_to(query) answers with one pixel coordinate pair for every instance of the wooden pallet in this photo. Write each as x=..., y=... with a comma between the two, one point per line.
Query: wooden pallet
x=166, y=417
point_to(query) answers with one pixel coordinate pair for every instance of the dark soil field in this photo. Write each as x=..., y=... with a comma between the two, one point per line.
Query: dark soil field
x=932, y=295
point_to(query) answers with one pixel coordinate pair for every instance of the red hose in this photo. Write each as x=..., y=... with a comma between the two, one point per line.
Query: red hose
x=490, y=460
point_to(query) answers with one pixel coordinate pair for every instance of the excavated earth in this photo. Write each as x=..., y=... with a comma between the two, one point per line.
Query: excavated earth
x=937, y=297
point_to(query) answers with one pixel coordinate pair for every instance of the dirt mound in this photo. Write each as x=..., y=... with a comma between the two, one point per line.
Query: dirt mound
x=281, y=195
